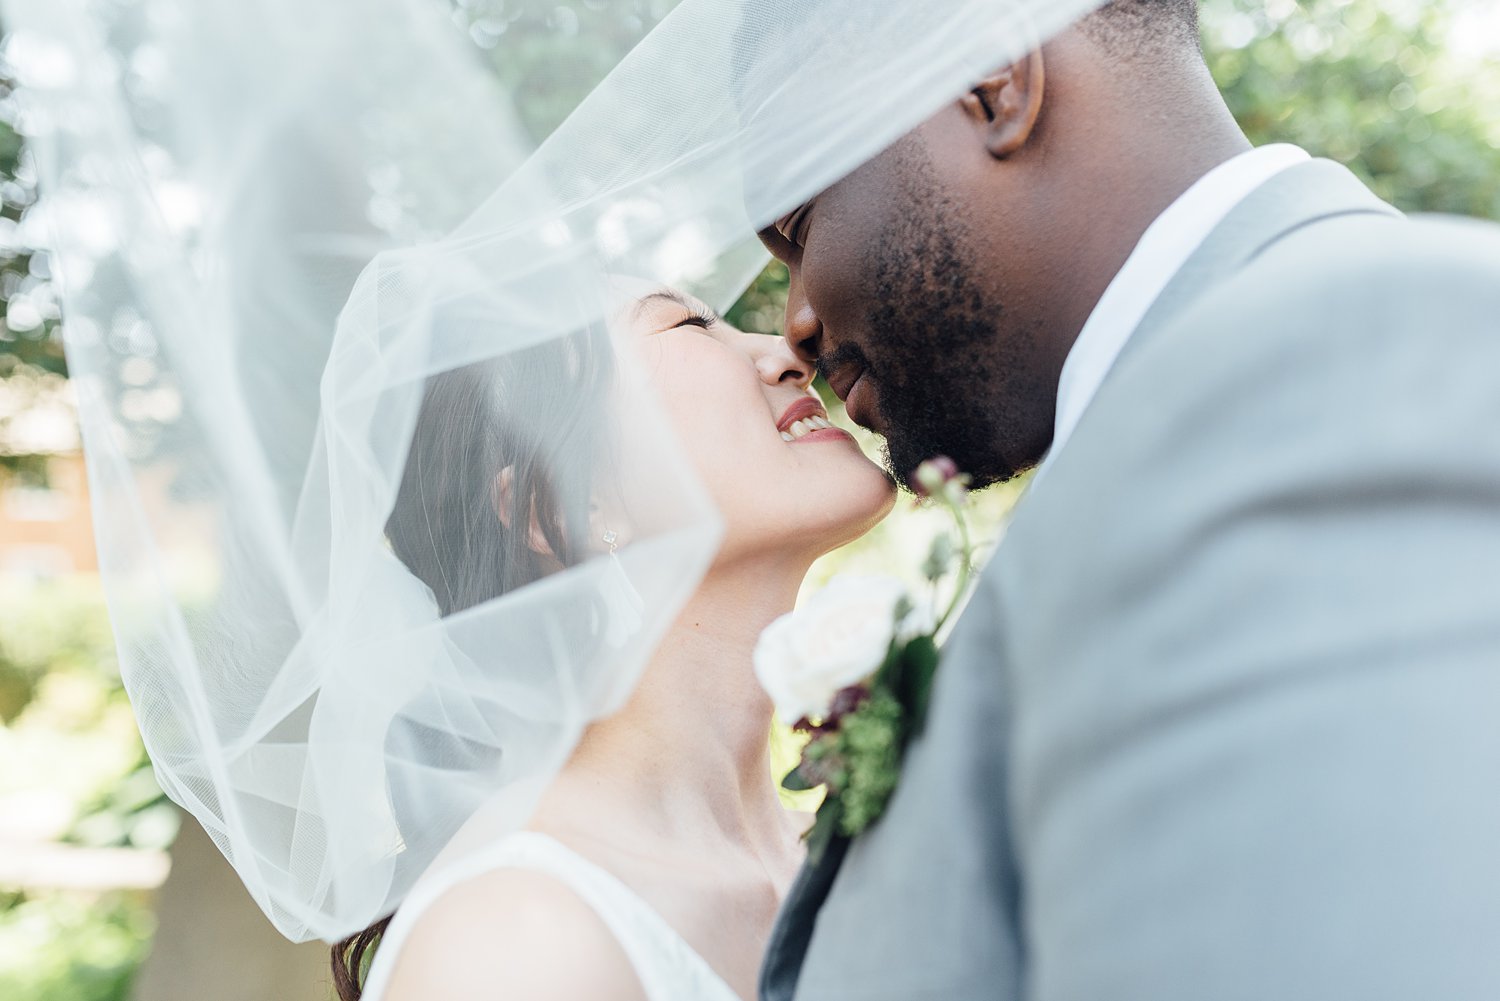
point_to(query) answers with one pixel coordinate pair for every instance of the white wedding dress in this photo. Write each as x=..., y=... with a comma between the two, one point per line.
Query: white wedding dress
x=668, y=968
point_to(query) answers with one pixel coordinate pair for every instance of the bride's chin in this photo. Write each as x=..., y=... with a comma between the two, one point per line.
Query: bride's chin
x=862, y=517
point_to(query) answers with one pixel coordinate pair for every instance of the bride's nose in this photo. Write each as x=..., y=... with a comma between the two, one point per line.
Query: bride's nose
x=777, y=364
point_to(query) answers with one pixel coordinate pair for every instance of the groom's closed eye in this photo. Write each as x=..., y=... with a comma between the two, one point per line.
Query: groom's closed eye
x=792, y=226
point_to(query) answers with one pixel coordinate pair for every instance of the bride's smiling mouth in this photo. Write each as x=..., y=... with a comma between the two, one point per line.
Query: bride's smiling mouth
x=806, y=420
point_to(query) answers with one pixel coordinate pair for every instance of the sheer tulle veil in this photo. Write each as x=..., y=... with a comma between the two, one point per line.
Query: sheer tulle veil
x=323, y=287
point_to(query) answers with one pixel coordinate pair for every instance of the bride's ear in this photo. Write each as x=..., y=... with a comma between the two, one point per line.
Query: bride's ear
x=503, y=495
x=1007, y=103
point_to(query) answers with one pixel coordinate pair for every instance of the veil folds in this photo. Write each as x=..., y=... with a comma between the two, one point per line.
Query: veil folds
x=339, y=330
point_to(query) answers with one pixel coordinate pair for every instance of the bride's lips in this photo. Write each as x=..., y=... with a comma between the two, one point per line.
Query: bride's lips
x=804, y=409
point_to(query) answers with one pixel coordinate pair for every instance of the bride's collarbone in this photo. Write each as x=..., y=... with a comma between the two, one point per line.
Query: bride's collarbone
x=722, y=905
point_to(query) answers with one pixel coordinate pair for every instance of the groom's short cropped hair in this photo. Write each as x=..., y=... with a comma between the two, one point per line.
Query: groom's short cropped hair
x=1129, y=28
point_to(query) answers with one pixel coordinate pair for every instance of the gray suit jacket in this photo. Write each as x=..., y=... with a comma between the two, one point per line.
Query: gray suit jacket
x=1223, y=720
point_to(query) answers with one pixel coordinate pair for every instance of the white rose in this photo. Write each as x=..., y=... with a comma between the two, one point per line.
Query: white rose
x=838, y=638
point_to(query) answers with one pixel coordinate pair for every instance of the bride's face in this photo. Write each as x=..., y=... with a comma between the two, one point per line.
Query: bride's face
x=783, y=476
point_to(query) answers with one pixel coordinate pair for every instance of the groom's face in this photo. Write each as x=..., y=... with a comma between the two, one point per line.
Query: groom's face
x=900, y=303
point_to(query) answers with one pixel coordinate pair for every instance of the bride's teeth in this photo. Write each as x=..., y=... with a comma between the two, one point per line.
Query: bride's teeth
x=806, y=426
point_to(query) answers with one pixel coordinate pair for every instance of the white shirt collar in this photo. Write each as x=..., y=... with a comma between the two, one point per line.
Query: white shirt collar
x=1162, y=251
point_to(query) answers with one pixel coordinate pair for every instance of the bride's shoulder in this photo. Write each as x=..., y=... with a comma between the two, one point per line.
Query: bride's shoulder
x=512, y=933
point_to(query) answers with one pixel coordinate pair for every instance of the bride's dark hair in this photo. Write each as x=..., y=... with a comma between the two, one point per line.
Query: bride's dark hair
x=538, y=414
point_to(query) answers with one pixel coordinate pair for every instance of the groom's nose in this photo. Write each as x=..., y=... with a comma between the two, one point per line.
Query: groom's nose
x=804, y=331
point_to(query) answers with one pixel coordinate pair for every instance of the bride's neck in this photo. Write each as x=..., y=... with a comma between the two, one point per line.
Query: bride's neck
x=688, y=755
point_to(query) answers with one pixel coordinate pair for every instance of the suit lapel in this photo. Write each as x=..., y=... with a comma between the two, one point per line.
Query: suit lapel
x=1297, y=197
x=794, y=925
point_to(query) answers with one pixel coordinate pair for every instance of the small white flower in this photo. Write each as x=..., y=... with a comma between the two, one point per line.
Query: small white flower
x=838, y=638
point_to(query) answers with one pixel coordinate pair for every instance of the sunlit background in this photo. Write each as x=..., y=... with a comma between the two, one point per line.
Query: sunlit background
x=93, y=861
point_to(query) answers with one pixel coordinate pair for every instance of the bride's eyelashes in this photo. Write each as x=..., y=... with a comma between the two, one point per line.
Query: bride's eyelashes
x=705, y=319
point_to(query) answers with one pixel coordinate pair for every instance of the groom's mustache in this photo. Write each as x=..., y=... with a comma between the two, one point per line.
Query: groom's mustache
x=842, y=357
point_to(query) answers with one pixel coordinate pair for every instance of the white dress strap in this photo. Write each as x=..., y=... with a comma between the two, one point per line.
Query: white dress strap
x=668, y=968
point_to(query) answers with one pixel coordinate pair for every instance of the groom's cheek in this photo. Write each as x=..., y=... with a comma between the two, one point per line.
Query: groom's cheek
x=838, y=283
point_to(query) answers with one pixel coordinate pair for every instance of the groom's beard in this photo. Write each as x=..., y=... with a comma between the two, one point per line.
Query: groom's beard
x=949, y=382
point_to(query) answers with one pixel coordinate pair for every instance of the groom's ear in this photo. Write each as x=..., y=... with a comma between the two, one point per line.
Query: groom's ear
x=1007, y=103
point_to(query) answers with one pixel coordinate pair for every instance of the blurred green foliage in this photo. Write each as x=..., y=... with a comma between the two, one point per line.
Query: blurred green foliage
x=73, y=772
x=27, y=307
x=1372, y=85
x=63, y=708
x=762, y=309
x=130, y=813
x=72, y=946
x=56, y=629
x=30, y=348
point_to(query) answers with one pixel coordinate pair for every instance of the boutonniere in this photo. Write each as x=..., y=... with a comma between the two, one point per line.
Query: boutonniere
x=853, y=669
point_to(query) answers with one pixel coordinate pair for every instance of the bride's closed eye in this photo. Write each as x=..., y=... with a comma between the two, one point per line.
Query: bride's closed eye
x=684, y=312
x=704, y=318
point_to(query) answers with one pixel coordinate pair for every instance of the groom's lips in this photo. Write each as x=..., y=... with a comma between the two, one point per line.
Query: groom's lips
x=851, y=385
